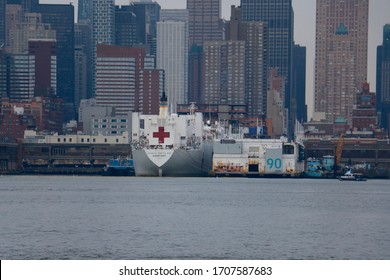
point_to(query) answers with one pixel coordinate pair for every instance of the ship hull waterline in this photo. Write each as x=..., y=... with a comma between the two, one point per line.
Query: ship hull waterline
x=173, y=162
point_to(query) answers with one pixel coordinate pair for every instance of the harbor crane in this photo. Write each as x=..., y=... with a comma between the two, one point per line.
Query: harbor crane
x=339, y=152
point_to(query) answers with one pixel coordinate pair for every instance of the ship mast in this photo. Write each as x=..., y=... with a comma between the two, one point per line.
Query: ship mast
x=163, y=112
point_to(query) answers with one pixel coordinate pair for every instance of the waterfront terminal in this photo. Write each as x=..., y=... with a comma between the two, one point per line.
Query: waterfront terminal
x=88, y=155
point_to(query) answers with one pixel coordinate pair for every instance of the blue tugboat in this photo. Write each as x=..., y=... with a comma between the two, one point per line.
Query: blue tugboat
x=320, y=167
x=119, y=167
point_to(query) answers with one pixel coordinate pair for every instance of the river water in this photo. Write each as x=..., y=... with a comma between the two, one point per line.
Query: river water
x=60, y=217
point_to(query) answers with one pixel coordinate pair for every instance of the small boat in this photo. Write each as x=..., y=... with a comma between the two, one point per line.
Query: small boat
x=119, y=167
x=349, y=176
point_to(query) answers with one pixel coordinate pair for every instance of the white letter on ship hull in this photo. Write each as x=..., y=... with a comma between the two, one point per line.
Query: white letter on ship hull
x=159, y=157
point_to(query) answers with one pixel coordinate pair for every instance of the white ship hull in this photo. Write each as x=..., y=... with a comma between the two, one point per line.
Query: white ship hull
x=173, y=162
x=257, y=157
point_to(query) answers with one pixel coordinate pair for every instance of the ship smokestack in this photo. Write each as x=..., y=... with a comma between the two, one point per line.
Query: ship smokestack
x=163, y=106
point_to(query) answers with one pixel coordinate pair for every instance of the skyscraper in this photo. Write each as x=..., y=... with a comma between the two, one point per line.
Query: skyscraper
x=84, y=10
x=45, y=66
x=20, y=31
x=298, y=96
x=224, y=73
x=20, y=77
x=152, y=85
x=177, y=15
x=195, y=58
x=125, y=26
x=61, y=19
x=103, y=31
x=27, y=5
x=103, y=13
x=383, y=78
x=204, y=21
x=83, y=73
x=341, y=55
x=255, y=36
x=3, y=78
x=172, y=56
x=14, y=18
x=116, y=78
x=123, y=82
x=147, y=15
x=279, y=18
x=2, y=22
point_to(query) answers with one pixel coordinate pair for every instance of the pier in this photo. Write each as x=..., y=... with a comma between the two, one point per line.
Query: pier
x=49, y=158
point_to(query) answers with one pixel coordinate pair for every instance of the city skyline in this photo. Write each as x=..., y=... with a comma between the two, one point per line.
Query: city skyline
x=304, y=20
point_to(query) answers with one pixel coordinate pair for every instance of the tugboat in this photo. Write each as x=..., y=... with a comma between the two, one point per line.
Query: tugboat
x=119, y=167
x=320, y=167
x=349, y=176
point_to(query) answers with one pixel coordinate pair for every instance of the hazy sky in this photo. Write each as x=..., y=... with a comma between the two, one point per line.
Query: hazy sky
x=304, y=31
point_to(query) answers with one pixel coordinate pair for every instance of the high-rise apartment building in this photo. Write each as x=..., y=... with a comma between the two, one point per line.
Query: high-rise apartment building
x=279, y=16
x=152, y=87
x=383, y=79
x=19, y=82
x=204, y=25
x=103, y=20
x=255, y=36
x=172, y=56
x=256, y=68
x=224, y=73
x=31, y=74
x=204, y=21
x=116, y=78
x=122, y=81
x=341, y=55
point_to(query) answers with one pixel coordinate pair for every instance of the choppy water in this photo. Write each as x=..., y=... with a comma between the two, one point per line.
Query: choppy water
x=192, y=218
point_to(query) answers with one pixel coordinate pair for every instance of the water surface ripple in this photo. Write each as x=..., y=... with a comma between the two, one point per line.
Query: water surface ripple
x=59, y=217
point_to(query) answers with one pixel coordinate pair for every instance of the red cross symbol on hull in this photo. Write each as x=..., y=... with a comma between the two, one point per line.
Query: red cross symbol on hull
x=161, y=135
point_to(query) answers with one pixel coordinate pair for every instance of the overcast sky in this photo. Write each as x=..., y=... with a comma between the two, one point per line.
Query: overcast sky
x=304, y=31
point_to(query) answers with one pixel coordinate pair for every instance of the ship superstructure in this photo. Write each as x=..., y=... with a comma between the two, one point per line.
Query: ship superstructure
x=170, y=144
x=257, y=157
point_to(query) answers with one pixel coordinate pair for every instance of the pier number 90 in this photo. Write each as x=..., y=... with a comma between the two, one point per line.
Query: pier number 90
x=274, y=163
